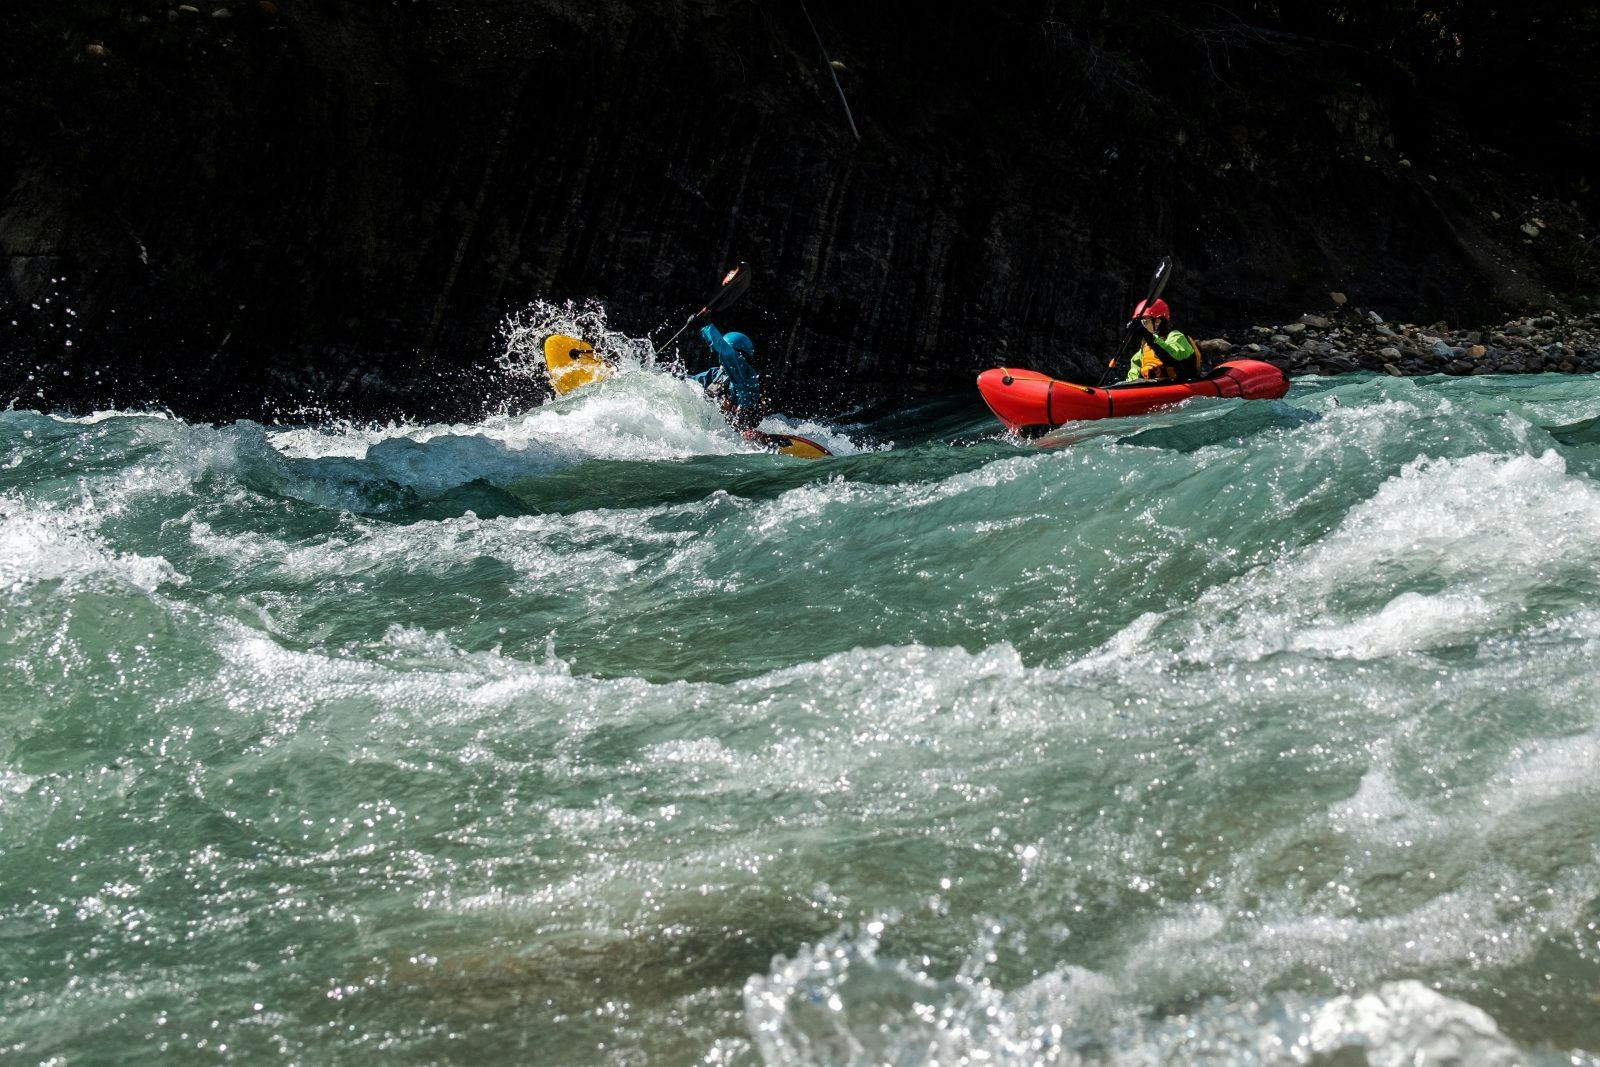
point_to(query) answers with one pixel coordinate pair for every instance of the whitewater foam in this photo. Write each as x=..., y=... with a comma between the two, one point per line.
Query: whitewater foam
x=1481, y=535
x=841, y=1001
x=46, y=544
x=1271, y=739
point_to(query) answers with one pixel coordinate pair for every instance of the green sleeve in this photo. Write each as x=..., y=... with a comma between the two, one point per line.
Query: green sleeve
x=1176, y=346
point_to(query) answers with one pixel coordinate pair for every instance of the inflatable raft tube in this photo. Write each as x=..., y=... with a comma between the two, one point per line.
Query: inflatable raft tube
x=1029, y=402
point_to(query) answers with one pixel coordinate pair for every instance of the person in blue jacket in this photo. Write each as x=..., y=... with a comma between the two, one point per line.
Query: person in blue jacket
x=733, y=383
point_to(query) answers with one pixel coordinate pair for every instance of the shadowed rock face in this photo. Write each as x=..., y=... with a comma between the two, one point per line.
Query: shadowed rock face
x=336, y=204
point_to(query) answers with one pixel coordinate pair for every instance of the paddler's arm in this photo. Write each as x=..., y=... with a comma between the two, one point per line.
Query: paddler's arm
x=746, y=384
x=713, y=339
x=1175, y=346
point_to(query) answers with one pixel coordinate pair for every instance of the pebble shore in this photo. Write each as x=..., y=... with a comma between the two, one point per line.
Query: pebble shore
x=1350, y=338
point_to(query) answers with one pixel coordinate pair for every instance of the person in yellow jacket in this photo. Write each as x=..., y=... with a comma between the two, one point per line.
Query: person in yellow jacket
x=1164, y=354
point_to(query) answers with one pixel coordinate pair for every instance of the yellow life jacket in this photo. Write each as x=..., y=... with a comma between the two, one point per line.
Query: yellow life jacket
x=1157, y=363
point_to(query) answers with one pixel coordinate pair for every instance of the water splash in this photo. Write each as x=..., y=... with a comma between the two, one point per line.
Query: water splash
x=522, y=335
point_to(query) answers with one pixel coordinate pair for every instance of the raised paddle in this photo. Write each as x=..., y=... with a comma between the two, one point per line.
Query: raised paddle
x=733, y=286
x=1158, y=282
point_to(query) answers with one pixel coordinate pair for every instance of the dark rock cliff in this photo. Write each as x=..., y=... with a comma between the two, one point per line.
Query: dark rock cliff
x=235, y=210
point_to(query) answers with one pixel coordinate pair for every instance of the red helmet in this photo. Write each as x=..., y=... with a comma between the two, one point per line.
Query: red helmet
x=1154, y=309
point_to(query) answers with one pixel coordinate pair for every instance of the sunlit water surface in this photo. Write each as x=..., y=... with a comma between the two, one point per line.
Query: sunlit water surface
x=1256, y=732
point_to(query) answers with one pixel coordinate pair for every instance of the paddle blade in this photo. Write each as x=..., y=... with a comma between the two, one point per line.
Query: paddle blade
x=1158, y=280
x=1158, y=283
x=734, y=285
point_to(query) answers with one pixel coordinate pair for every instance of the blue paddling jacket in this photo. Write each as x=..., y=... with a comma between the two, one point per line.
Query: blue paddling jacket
x=733, y=371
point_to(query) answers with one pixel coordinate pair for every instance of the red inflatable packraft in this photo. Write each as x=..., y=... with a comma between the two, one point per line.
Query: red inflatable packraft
x=1030, y=402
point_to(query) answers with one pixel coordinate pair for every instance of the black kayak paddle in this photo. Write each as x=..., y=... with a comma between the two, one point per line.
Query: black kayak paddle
x=1158, y=283
x=733, y=286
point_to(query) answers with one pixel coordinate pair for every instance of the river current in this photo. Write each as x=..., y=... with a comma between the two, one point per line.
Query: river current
x=1246, y=732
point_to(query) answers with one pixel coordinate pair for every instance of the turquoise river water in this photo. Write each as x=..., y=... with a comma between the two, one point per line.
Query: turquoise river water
x=1241, y=733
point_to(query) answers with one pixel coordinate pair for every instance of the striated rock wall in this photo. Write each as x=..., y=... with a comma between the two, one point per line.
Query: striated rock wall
x=256, y=206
